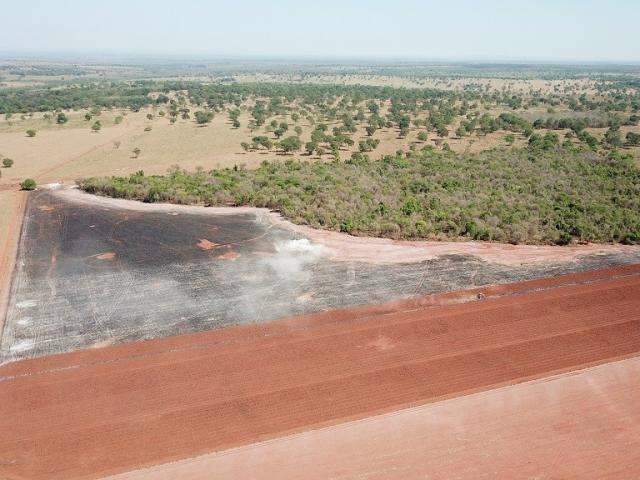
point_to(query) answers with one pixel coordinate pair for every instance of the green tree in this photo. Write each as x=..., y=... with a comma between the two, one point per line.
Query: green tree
x=612, y=137
x=61, y=118
x=31, y=133
x=28, y=184
x=290, y=144
x=202, y=117
x=7, y=163
x=96, y=126
x=633, y=138
x=310, y=147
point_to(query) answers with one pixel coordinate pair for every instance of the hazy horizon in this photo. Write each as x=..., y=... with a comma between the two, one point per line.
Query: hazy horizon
x=569, y=31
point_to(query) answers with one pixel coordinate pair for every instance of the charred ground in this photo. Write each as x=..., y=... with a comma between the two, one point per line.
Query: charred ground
x=92, y=275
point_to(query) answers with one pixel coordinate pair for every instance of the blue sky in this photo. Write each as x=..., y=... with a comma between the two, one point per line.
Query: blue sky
x=569, y=30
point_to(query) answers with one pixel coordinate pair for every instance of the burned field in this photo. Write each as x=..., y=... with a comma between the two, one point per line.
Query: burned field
x=94, y=275
x=406, y=390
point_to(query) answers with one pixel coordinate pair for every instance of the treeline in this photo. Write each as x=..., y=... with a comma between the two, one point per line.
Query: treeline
x=544, y=194
x=135, y=95
x=112, y=95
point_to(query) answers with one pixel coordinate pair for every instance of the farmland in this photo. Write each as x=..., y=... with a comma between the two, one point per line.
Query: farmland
x=308, y=269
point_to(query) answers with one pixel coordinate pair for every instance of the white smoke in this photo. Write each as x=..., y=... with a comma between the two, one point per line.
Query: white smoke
x=292, y=258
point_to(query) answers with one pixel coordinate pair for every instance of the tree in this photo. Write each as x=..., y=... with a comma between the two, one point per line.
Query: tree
x=245, y=146
x=118, y=120
x=371, y=129
x=136, y=152
x=234, y=116
x=28, y=184
x=61, y=119
x=262, y=141
x=7, y=163
x=31, y=133
x=290, y=144
x=613, y=137
x=87, y=116
x=202, y=117
x=310, y=147
x=633, y=138
x=442, y=131
x=423, y=136
x=96, y=126
x=149, y=116
x=510, y=138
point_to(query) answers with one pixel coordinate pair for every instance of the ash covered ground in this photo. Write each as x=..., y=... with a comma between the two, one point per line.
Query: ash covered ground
x=90, y=276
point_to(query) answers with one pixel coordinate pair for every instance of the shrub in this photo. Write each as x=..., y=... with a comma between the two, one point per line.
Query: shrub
x=7, y=163
x=31, y=133
x=542, y=194
x=28, y=184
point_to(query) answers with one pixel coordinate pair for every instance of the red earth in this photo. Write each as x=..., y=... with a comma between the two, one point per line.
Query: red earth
x=97, y=412
x=570, y=426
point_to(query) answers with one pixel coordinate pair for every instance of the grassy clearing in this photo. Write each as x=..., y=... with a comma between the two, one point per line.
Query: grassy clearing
x=534, y=196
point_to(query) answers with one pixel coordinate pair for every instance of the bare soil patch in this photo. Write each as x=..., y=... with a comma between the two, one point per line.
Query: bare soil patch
x=11, y=214
x=578, y=414
x=175, y=398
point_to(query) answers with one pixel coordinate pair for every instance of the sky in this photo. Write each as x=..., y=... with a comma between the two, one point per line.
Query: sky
x=481, y=30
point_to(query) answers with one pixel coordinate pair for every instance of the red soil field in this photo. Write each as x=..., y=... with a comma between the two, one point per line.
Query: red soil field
x=91, y=413
x=578, y=425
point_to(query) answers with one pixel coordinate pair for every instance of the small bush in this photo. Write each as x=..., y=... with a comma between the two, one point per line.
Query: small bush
x=31, y=133
x=28, y=184
x=7, y=163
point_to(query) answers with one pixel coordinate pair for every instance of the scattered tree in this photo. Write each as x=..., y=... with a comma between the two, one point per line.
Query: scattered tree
x=28, y=184
x=290, y=144
x=203, y=117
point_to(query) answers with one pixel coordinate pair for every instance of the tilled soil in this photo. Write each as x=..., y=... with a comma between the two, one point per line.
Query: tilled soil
x=97, y=412
x=578, y=425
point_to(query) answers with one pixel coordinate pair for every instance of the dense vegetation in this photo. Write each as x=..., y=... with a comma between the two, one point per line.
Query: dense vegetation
x=540, y=195
x=108, y=95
